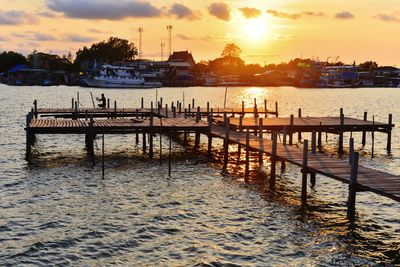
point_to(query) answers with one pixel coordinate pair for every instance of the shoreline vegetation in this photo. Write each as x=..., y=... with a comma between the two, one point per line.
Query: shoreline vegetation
x=180, y=69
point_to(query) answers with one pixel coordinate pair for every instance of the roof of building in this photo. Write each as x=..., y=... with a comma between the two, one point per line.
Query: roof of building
x=181, y=56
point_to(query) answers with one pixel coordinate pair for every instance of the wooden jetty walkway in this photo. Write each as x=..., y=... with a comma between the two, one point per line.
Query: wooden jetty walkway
x=247, y=133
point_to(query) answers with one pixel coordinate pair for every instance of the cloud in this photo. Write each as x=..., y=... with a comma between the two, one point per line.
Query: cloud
x=220, y=10
x=93, y=30
x=16, y=17
x=283, y=15
x=3, y=39
x=294, y=16
x=42, y=37
x=313, y=14
x=284, y=37
x=185, y=37
x=78, y=38
x=48, y=14
x=388, y=18
x=110, y=10
x=183, y=12
x=344, y=15
x=250, y=12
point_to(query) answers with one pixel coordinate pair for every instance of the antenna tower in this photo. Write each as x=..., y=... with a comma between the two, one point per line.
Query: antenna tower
x=140, y=42
x=162, y=51
x=169, y=28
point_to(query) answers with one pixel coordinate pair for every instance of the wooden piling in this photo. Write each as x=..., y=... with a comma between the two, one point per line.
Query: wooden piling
x=102, y=157
x=161, y=153
x=169, y=154
x=265, y=108
x=193, y=103
x=226, y=145
x=151, y=135
x=142, y=103
x=291, y=130
x=28, y=150
x=90, y=137
x=243, y=108
x=320, y=137
x=209, y=146
x=389, y=133
x=353, y=188
x=364, y=133
x=35, y=108
x=247, y=167
x=260, y=136
x=276, y=109
x=373, y=137
x=240, y=130
x=304, y=175
x=341, y=131
x=313, y=151
x=115, y=109
x=299, y=133
x=198, y=115
x=272, y=179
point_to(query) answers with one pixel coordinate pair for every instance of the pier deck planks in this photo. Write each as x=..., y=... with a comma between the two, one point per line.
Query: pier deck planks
x=368, y=179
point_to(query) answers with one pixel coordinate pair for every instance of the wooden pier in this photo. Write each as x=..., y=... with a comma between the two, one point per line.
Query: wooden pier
x=246, y=132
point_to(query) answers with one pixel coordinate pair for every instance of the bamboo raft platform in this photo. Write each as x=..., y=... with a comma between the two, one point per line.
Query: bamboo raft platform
x=247, y=133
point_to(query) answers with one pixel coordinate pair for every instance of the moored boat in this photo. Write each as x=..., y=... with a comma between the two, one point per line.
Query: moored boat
x=111, y=76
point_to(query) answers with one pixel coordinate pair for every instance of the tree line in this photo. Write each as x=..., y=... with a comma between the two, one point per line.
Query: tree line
x=120, y=50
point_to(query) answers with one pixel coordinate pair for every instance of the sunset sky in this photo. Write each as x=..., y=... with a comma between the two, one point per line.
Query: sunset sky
x=266, y=31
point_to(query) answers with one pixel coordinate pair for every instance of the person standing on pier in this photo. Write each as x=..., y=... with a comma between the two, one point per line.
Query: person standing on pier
x=102, y=101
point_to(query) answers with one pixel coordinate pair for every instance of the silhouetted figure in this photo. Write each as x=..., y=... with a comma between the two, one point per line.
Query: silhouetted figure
x=102, y=101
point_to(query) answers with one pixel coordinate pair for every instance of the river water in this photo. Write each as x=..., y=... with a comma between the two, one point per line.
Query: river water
x=57, y=209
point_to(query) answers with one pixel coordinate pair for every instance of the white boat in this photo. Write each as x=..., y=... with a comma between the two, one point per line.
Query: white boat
x=120, y=77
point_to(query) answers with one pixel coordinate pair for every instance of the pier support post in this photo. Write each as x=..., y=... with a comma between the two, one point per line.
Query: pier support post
x=226, y=145
x=364, y=133
x=341, y=131
x=115, y=109
x=144, y=142
x=247, y=170
x=284, y=137
x=161, y=148
x=255, y=108
x=243, y=108
x=304, y=175
x=351, y=150
x=272, y=179
x=276, y=109
x=151, y=135
x=209, y=147
x=373, y=137
x=320, y=137
x=291, y=130
x=299, y=133
x=353, y=188
x=389, y=137
x=35, y=108
x=142, y=103
x=90, y=138
x=260, y=136
x=265, y=108
x=29, y=136
x=240, y=131
x=313, y=151
x=169, y=154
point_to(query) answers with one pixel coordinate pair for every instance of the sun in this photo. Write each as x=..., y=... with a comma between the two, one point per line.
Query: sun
x=255, y=29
